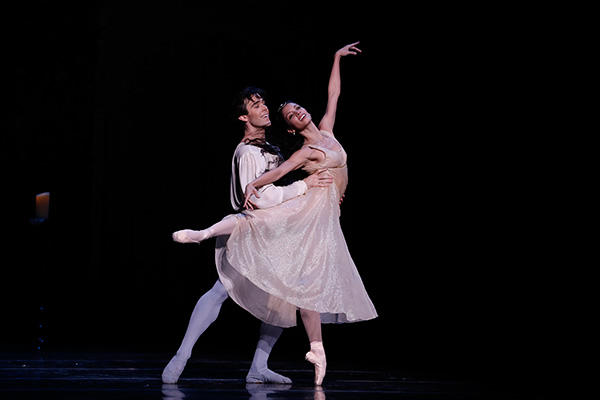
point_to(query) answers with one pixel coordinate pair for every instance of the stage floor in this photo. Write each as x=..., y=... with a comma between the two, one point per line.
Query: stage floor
x=126, y=376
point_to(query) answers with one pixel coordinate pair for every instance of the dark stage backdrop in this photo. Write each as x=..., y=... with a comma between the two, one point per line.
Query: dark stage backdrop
x=123, y=115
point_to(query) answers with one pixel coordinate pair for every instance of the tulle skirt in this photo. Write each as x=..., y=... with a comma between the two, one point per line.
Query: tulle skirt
x=293, y=256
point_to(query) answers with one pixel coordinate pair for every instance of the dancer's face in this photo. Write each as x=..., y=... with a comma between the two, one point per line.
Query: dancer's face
x=258, y=112
x=295, y=116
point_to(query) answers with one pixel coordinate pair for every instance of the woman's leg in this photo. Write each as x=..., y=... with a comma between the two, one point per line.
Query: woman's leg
x=316, y=355
x=223, y=227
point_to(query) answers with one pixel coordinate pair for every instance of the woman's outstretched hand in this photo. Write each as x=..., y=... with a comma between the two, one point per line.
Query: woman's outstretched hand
x=349, y=49
x=250, y=191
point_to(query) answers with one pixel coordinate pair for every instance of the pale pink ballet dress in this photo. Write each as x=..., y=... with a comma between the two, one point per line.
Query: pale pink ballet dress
x=294, y=255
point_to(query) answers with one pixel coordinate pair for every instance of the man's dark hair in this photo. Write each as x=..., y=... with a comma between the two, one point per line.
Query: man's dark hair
x=239, y=104
x=239, y=108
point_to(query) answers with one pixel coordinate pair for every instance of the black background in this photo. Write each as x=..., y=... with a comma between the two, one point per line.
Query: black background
x=123, y=114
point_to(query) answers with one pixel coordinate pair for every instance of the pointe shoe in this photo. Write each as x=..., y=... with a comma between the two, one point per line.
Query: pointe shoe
x=191, y=236
x=173, y=370
x=316, y=356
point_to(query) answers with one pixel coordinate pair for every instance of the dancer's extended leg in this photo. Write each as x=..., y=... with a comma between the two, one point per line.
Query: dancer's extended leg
x=316, y=355
x=259, y=371
x=223, y=227
x=205, y=313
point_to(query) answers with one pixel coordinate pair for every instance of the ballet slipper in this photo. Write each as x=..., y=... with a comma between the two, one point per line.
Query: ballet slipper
x=191, y=236
x=316, y=356
x=173, y=369
x=266, y=376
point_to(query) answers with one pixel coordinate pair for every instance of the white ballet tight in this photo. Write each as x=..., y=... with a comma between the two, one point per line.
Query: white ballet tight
x=310, y=319
x=205, y=313
x=207, y=310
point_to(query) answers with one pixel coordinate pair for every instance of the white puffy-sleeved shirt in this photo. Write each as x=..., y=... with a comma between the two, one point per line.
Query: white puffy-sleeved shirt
x=249, y=162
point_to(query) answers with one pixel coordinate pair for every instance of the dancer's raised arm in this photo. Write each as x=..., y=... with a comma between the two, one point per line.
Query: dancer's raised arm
x=334, y=88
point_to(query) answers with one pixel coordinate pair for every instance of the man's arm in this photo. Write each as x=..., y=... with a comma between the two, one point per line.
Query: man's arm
x=320, y=179
x=269, y=195
x=249, y=168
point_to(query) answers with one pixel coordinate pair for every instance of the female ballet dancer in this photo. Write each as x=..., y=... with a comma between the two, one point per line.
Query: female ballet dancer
x=294, y=256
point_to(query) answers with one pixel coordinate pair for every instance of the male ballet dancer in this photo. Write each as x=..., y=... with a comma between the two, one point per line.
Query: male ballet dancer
x=252, y=157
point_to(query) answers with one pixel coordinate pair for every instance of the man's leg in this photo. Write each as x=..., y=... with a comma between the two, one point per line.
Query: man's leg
x=205, y=313
x=259, y=372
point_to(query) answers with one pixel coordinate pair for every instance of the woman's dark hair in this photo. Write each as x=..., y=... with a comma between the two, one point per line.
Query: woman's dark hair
x=280, y=117
x=289, y=143
x=285, y=103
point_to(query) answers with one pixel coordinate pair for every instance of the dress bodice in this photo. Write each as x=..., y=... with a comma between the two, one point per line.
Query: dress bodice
x=294, y=255
x=334, y=161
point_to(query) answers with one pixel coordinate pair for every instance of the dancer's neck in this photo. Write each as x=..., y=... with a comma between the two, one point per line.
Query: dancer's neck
x=253, y=133
x=311, y=133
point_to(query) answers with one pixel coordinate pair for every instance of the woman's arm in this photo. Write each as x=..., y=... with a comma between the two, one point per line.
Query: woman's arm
x=295, y=161
x=334, y=88
x=249, y=167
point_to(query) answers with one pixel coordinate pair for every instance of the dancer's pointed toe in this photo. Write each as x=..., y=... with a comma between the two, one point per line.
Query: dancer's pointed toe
x=316, y=356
